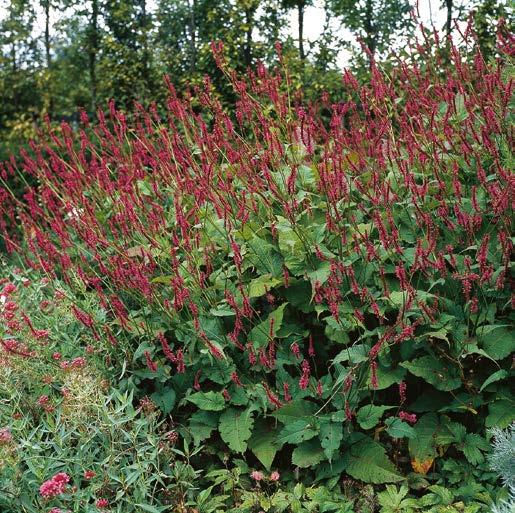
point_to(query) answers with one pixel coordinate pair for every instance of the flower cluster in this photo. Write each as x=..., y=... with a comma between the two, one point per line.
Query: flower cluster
x=54, y=486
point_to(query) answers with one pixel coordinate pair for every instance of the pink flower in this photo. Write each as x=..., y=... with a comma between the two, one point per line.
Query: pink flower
x=43, y=400
x=54, y=486
x=78, y=362
x=56, y=356
x=5, y=436
x=102, y=503
x=55, y=510
x=409, y=417
x=256, y=475
x=89, y=474
x=9, y=289
x=274, y=476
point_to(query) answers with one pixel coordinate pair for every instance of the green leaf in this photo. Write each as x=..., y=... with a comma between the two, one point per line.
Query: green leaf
x=355, y=354
x=320, y=275
x=202, y=424
x=210, y=401
x=220, y=372
x=222, y=311
x=367, y=461
x=473, y=446
x=260, y=334
x=294, y=410
x=442, y=376
x=307, y=454
x=235, y=428
x=262, y=444
x=260, y=286
x=298, y=431
x=390, y=499
x=291, y=246
x=496, y=376
x=331, y=435
x=264, y=257
x=165, y=399
x=397, y=428
x=423, y=445
x=500, y=414
x=151, y=509
x=387, y=376
x=369, y=415
x=497, y=341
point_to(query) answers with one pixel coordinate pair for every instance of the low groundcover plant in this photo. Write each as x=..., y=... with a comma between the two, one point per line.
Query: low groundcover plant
x=314, y=292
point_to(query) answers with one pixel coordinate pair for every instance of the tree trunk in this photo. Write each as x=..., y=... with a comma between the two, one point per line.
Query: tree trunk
x=448, y=22
x=13, y=57
x=193, y=37
x=370, y=31
x=300, y=8
x=247, y=54
x=46, y=6
x=146, y=53
x=93, y=51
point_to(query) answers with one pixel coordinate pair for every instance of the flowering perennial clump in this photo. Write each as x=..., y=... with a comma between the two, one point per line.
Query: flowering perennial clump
x=284, y=267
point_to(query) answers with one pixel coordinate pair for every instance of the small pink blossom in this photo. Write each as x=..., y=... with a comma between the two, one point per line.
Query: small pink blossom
x=274, y=476
x=9, y=289
x=5, y=436
x=102, y=503
x=43, y=400
x=257, y=475
x=89, y=474
x=78, y=362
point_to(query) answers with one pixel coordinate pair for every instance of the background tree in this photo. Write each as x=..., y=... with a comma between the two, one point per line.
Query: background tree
x=376, y=22
x=300, y=6
x=486, y=14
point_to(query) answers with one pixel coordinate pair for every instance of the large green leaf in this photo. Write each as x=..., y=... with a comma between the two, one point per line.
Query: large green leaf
x=397, y=428
x=308, y=454
x=202, y=424
x=355, y=354
x=210, y=401
x=236, y=428
x=496, y=376
x=264, y=257
x=367, y=461
x=331, y=435
x=497, y=341
x=260, y=334
x=261, y=285
x=423, y=445
x=294, y=410
x=442, y=376
x=500, y=413
x=298, y=431
x=262, y=444
x=369, y=415
x=164, y=397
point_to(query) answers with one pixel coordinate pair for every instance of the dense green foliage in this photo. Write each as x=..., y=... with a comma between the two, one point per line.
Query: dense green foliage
x=134, y=454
